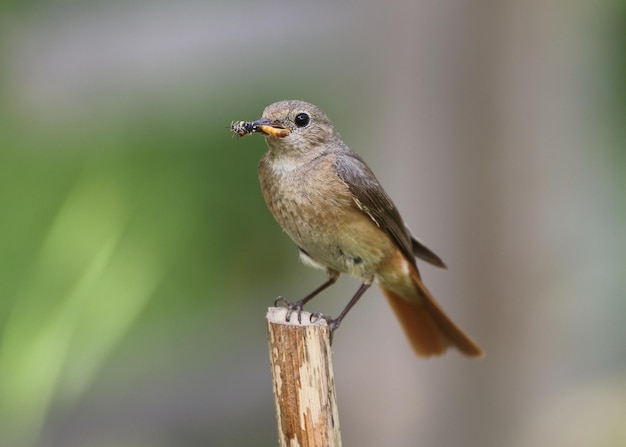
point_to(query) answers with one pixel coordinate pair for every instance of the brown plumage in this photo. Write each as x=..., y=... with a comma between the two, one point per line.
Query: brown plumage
x=332, y=206
x=428, y=328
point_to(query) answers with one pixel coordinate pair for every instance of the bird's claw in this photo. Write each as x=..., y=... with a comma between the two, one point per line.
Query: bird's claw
x=291, y=308
x=333, y=323
x=281, y=299
x=317, y=316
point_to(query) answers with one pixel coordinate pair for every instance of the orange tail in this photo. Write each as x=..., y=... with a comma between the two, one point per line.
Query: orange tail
x=428, y=328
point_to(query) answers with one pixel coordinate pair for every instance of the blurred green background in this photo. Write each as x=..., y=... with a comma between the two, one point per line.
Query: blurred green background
x=137, y=257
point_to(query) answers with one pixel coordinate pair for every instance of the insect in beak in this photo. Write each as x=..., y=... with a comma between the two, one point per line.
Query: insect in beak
x=263, y=125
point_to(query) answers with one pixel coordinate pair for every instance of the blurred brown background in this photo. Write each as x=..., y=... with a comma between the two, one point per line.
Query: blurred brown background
x=137, y=258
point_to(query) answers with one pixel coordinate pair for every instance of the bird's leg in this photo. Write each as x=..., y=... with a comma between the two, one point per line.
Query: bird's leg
x=299, y=305
x=333, y=324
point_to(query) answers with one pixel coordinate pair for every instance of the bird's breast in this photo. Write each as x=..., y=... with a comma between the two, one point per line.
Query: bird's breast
x=316, y=209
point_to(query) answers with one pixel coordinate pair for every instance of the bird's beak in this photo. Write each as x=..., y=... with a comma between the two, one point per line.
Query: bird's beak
x=265, y=126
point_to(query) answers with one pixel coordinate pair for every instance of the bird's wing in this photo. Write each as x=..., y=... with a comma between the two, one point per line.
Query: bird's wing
x=426, y=254
x=371, y=198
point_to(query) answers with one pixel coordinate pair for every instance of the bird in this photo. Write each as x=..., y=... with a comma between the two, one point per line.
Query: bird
x=332, y=206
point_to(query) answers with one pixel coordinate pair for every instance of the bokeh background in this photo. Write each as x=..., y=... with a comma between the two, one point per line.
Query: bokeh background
x=137, y=258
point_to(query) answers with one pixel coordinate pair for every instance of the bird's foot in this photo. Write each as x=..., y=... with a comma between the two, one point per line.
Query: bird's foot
x=291, y=308
x=333, y=323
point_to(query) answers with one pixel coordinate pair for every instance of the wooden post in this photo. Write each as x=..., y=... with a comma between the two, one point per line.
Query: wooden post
x=304, y=386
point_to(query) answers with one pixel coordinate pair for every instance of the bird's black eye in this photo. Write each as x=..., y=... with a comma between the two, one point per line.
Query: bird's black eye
x=302, y=119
